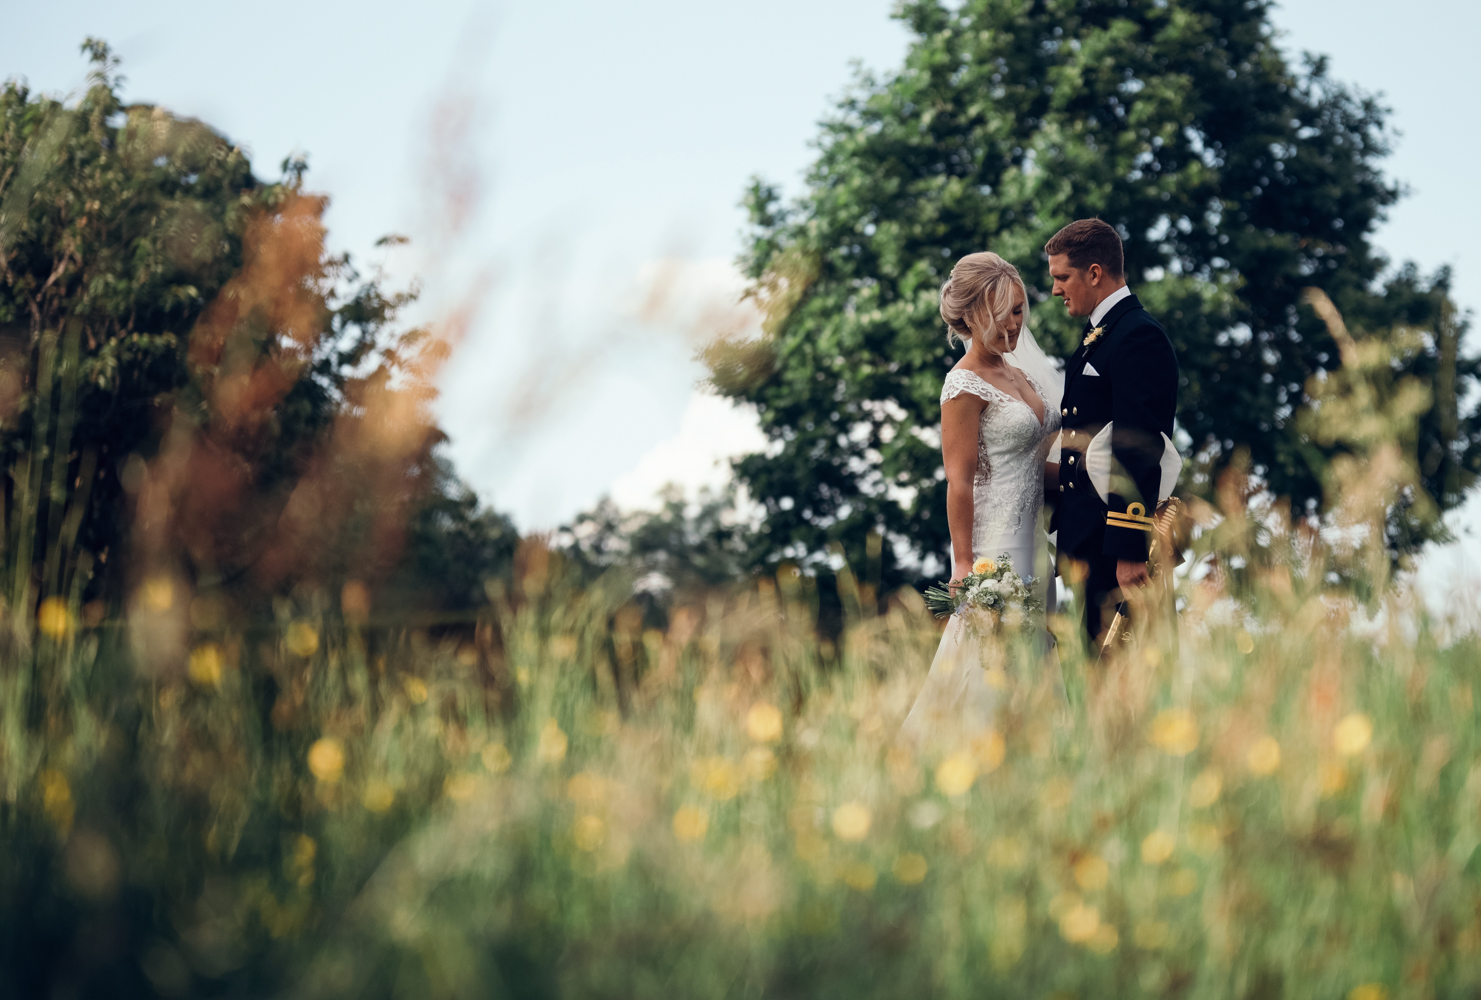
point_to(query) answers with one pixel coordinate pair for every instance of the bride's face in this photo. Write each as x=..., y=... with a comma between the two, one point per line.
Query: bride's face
x=1009, y=331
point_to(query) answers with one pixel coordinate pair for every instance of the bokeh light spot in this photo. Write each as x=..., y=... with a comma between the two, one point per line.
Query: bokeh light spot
x=956, y=774
x=1157, y=847
x=302, y=639
x=496, y=758
x=54, y=619
x=206, y=665
x=1206, y=788
x=910, y=868
x=378, y=796
x=691, y=823
x=551, y=748
x=588, y=832
x=1264, y=756
x=1175, y=731
x=1353, y=734
x=851, y=821
x=1091, y=872
x=327, y=759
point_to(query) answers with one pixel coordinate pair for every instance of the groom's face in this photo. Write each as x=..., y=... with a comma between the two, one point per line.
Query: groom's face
x=1081, y=288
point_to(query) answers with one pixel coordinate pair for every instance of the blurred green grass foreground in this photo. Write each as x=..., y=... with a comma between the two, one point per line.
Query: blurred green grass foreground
x=1287, y=803
x=234, y=764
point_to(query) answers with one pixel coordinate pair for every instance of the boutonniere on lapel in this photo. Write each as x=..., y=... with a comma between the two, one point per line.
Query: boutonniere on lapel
x=1093, y=336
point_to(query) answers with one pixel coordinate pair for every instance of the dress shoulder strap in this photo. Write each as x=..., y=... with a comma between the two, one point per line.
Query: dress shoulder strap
x=962, y=380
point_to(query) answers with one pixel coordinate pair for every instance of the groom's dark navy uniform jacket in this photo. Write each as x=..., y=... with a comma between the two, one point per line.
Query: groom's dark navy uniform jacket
x=1127, y=374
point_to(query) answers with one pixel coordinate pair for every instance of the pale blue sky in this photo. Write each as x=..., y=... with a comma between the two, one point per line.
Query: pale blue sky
x=605, y=138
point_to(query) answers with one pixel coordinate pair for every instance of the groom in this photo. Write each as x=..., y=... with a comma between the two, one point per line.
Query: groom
x=1125, y=373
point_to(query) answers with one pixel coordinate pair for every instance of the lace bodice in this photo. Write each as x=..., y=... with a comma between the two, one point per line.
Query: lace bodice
x=1012, y=444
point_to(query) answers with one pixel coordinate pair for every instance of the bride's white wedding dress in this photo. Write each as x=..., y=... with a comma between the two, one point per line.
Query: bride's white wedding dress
x=957, y=700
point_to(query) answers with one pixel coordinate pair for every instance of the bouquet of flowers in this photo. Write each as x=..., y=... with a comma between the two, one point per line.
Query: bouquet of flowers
x=991, y=594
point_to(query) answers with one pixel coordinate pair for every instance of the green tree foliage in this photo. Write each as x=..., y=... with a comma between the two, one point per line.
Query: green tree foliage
x=1235, y=179
x=683, y=547
x=454, y=545
x=189, y=382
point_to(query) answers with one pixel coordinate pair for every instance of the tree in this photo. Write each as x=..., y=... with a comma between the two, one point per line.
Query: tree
x=191, y=386
x=1235, y=180
x=682, y=548
x=454, y=546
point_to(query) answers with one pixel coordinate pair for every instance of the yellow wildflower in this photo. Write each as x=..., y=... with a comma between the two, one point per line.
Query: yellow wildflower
x=1264, y=756
x=553, y=743
x=690, y=823
x=1175, y=732
x=1104, y=940
x=588, y=832
x=1092, y=872
x=1352, y=735
x=764, y=722
x=56, y=799
x=205, y=667
x=1204, y=838
x=416, y=690
x=860, y=875
x=302, y=639
x=910, y=868
x=1157, y=847
x=53, y=618
x=327, y=759
x=1079, y=923
x=1058, y=793
x=1206, y=788
x=990, y=750
x=378, y=796
x=158, y=593
x=760, y=763
x=1184, y=882
x=956, y=774
x=496, y=758
x=716, y=777
x=851, y=821
x=460, y=787
x=587, y=789
x=1333, y=778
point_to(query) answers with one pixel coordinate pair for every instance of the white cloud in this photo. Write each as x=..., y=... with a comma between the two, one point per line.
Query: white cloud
x=712, y=431
x=605, y=400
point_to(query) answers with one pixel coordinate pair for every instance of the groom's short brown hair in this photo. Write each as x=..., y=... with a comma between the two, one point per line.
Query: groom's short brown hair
x=1090, y=241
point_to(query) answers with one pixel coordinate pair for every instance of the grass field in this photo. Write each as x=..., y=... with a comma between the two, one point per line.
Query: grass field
x=1283, y=800
x=1285, y=805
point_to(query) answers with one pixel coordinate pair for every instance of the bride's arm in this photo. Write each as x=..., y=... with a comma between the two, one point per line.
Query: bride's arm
x=960, y=418
x=1051, y=478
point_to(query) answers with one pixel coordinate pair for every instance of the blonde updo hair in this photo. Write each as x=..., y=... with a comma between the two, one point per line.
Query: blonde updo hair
x=978, y=297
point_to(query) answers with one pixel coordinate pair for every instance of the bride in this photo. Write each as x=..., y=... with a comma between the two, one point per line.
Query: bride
x=999, y=417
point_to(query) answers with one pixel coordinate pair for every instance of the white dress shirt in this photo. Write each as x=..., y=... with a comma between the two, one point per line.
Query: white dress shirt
x=1106, y=303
